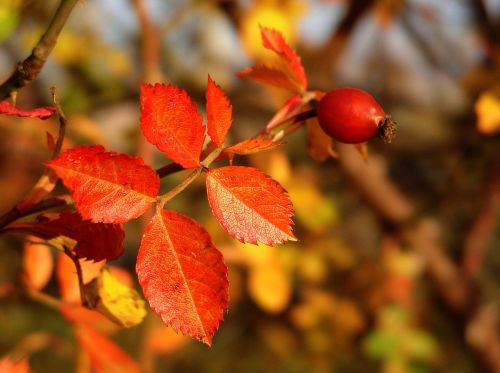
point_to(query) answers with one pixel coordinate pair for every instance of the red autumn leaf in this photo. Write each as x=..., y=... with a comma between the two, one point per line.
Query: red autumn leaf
x=253, y=145
x=219, y=113
x=38, y=264
x=269, y=75
x=95, y=241
x=104, y=354
x=249, y=205
x=106, y=186
x=42, y=112
x=183, y=275
x=273, y=40
x=170, y=120
x=290, y=108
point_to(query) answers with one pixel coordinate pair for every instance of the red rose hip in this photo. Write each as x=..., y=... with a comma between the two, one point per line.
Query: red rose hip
x=352, y=116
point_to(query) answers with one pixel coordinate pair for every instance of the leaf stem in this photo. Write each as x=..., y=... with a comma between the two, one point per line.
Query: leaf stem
x=163, y=199
x=28, y=70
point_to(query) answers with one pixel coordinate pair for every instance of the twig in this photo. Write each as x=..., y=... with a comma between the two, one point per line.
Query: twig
x=28, y=70
x=79, y=274
x=15, y=213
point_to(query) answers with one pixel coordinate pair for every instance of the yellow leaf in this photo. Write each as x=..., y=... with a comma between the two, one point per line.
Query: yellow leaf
x=488, y=112
x=279, y=15
x=270, y=287
x=115, y=300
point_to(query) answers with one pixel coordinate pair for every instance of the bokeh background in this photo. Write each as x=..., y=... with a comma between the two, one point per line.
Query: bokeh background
x=398, y=260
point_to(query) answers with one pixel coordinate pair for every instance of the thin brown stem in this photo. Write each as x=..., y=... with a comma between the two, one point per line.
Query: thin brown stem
x=79, y=274
x=163, y=199
x=28, y=70
x=15, y=214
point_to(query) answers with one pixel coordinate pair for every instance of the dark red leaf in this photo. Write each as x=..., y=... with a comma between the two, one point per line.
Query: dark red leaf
x=107, y=186
x=219, y=113
x=170, y=120
x=41, y=112
x=249, y=205
x=183, y=275
x=95, y=241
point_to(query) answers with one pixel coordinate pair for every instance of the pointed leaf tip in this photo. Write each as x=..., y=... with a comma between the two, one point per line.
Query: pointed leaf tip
x=249, y=205
x=183, y=275
x=219, y=113
x=170, y=120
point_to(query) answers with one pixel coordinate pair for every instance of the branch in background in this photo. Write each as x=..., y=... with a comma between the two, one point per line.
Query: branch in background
x=456, y=289
x=150, y=50
x=28, y=70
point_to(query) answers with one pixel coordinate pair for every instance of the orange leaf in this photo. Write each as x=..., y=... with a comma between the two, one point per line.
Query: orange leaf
x=319, y=144
x=95, y=241
x=38, y=264
x=273, y=40
x=104, y=354
x=106, y=186
x=253, y=145
x=170, y=120
x=183, y=275
x=249, y=205
x=269, y=75
x=68, y=280
x=219, y=113
x=7, y=365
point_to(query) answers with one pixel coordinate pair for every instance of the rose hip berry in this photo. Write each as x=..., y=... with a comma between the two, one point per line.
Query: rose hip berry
x=352, y=116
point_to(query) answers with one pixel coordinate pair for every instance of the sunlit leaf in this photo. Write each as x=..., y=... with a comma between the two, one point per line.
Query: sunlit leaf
x=118, y=302
x=106, y=186
x=249, y=205
x=183, y=275
x=219, y=113
x=170, y=120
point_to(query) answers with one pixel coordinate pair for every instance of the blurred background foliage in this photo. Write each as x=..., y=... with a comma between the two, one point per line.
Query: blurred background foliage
x=350, y=296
